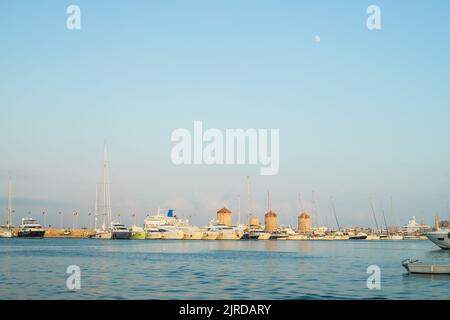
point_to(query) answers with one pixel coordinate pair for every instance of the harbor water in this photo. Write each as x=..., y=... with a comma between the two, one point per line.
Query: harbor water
x=36, y=269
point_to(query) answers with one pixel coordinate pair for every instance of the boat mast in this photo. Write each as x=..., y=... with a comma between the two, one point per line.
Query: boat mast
x=10, y=209
x=96, y=208
x=334, y=212
x=107, y=222
x=385, y=223
x=239, y=210
x=314, y=207
x=373, y=214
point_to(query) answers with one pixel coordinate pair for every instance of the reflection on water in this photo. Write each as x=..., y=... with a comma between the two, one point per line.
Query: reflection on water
x=35, y=269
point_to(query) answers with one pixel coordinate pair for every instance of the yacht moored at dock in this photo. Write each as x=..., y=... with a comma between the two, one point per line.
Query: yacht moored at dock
x=120, y=232
x=30, y=228
x=441, y=238
x=170, y=232
x=137, y=233
x=152, y=233
x=192, y=233
x=210, y=235
x=226, y=232
x=358, y=236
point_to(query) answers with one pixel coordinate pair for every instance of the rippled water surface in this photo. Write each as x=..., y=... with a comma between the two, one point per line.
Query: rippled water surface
x=36, y=269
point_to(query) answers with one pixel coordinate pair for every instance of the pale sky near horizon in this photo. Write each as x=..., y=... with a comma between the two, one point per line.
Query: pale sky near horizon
x=361, y=113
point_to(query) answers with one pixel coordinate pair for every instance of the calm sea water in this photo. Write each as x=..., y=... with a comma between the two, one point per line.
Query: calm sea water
x=36, y=269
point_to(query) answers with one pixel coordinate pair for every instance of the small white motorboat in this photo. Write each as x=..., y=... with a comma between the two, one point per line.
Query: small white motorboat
x=415, y=266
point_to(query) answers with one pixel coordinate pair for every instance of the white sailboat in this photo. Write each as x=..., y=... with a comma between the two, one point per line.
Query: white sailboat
x=6, y=231
x=108, y=229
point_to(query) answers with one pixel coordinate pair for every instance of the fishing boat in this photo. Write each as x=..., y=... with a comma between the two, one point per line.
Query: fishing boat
x=415, y=266
x=441, y=238
x=30, y=228
x=137, y=233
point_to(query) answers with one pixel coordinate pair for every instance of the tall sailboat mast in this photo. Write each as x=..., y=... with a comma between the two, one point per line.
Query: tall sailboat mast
x=314, y=207
x=10, y=209
x=334, y=212
x=107, y=214
x=96, y=208
x=385, y=222
x=373, y=214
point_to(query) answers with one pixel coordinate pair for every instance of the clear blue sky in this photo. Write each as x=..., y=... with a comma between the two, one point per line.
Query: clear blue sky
x=361, y=113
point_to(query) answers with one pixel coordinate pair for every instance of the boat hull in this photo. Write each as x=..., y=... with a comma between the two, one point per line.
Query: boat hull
x=297, y=237
x=138, y=235
x=31, y=234
x=422, y=268
x=440, y=238
x=172, y=235
x=121, y=235
x=193, y=235
x=153, y=235
x=230, y=236
x=357, y=237
x=102, y=235
x=6, y=234
x=210, y=235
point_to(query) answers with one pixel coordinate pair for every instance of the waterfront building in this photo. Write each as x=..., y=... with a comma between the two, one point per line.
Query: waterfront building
x=304, y=223
x=415, y=228
x=437, y=223
x=271, y=224
x=224, y=216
